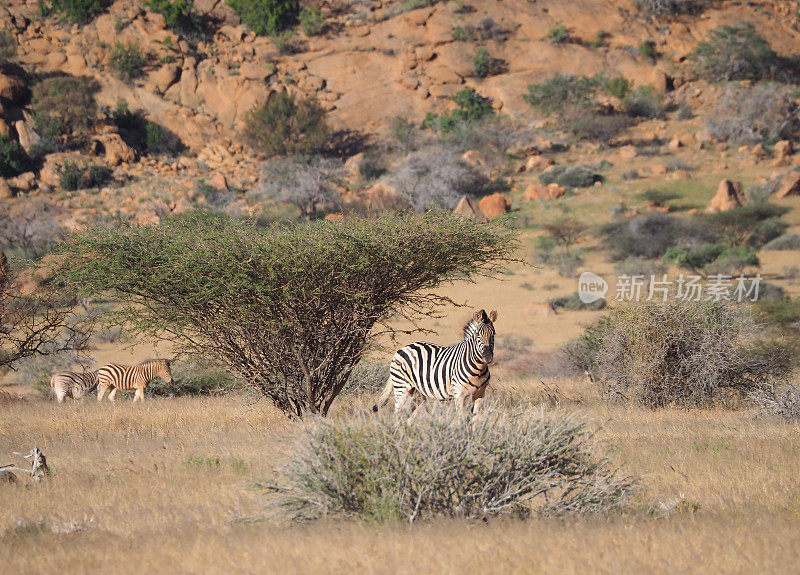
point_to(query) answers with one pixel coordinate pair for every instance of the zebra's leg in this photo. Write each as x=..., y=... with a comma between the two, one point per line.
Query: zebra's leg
x=59, y=396
x=477, y=398
x=138, y=394
x=384, y=396
x=414, y=413
x=101, y=391
x=113, y=394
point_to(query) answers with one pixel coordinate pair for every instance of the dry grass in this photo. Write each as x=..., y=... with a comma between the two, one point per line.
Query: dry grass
x=139, y=488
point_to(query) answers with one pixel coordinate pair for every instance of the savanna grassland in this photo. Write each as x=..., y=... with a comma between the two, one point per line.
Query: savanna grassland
x=169, y=485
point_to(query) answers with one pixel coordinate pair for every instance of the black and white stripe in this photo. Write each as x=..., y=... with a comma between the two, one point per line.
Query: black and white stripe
x=72, y=384
x=459, y=371
x=136, y=377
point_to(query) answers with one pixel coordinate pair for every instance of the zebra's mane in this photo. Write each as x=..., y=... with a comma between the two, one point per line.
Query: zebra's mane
x=470, y=328
x=152, y=360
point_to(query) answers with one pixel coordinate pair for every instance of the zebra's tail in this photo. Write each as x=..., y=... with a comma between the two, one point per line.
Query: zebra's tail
x=387, y=391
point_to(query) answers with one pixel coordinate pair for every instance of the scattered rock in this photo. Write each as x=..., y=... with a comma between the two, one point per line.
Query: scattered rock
x=5, y=190
x=116, y=150
x=674, y=143
x=469, y=208
x=789, y=185
x=537, y=191
x=28, y=137
x=729, y=195
x=12, y=87
x=537, y=163
x=164, y=77
x=443, y=75
x=495, y=205
x=49, y=175
x=218, y=182
x=23, y=182
x=783, y=149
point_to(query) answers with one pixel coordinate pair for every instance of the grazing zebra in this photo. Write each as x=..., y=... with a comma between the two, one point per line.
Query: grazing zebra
x=459, y=371
x=131, y=377
x=72, y=384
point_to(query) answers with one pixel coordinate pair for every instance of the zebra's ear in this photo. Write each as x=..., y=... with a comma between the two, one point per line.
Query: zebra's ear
x=493, y=316
x=479, y=315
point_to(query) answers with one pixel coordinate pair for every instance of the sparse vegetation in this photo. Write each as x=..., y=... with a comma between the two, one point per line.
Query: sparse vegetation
x=13, y=160
x=436, y=177
x=447, y=464
x=140, y=133
x=764, y=113
x=285, y=125
x=678, y=352
x=572, y=302
x=558, y=34
x=735, y=53
x=29, y=229
x=472, y=108
x=480, y=63
x=8, y=46
x=643, y=102
x=267, y=16
x=307, y=182
x=72, y=176
x=313, y=22
x=63, y=106
x=618, y=86
x=570, y=176
x=77, y=11
x=127, y=60
x=180, y=15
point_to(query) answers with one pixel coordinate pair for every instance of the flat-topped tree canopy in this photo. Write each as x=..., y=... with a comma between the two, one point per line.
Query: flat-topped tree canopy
x=290, y=307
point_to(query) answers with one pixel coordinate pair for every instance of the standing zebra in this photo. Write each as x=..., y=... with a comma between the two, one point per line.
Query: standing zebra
x=459, y=371
x=72, y=384
x=131, y=377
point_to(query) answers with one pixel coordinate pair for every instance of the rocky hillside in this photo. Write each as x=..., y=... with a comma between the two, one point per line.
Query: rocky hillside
x=375, y=61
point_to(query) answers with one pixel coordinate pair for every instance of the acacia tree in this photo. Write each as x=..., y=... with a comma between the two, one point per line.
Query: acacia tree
x=36, y=323
x=289, y=308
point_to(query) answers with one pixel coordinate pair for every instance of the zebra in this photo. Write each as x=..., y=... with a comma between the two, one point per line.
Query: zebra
x=131, y=377
x=459, y=371
x=72, y=384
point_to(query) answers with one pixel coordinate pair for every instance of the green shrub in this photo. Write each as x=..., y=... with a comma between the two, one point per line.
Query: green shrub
x=782, y=311
x=561, y=91
x=8, y=46
x=77, y=11
x=650, y=235
x=72, y=176
x=558, y=34
x=472, y=108
x=572, y=302
x=657, y=198
x=686, y=353
x=267, y=16
x=446, y=464
x=647, y=50
x=179, y=15
x=619, y=86
x=480, y=63
x=140, y=133
x=63, y=105
x=285, y=125
x=745, y=224
x=767, y=231
x=570, y=176
x=735, y=53
x=643, y=102
x=36, y=370
x=127, y=60
x=313, y=22
x=13, y=160
x=195, y=378
x=663, y=7
x=587, y=123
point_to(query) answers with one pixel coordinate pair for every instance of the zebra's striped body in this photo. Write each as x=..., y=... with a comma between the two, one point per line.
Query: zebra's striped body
x=136, y=377
x=459, y=371
x=72, y=384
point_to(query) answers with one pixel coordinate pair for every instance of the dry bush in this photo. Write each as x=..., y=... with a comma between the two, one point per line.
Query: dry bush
x=30, y=228
x=780, y=400
x=307, y=182
x=766, y=112
x=367, y=378
x=735, y=53
x=784, y=242
x=678, y=353
x=436, y=177
x=570, y=176
x=446, y=464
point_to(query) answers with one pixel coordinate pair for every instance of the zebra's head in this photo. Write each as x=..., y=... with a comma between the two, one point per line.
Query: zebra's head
x=484, y=333
x=164, y=371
